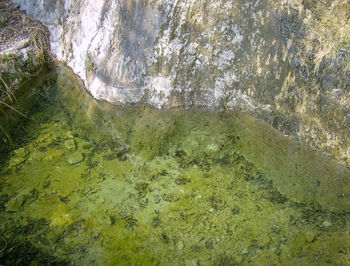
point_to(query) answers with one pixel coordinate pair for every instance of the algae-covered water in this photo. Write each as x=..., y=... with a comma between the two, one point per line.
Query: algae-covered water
x=87, y=183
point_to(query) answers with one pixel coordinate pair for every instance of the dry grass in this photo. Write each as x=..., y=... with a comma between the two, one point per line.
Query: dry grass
x=15, y=26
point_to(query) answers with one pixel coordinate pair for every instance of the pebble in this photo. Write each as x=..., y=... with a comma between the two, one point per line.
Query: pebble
x=75, y=158
x=192, y=262
x=70, y=144
x=264, y=240
x=310, y=236
x=69, y=135
x=21, y=152
x=14, y=161
x=171, y=197
x=245, y=251
x=21, y=155
x=48, y=157
x=326, y=224
x=15, y=204
x=105, y=220
x=180, y=244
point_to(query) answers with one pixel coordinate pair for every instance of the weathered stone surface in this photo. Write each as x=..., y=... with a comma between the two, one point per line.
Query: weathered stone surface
x=286, y=62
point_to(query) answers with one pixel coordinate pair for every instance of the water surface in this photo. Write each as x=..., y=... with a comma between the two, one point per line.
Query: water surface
x=93, y=184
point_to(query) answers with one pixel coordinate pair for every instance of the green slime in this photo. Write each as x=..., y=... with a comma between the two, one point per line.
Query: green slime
x=96, y=184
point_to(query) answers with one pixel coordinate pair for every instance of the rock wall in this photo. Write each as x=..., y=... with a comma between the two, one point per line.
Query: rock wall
x=286, y=62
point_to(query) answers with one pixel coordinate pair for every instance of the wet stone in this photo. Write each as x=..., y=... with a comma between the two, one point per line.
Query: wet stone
x=16, y=161
x=75, y=158
x=21, y=155
x=264, y=240
x=70, y=144
x=21, y=152
x=69, y=135
x=180, y=244
x=15, y=204
x=48, y=157
x=245, y=251
x=326, y=224
x=275, y=229
x=310, y=236
x=193, y=262
x=171, y=197
x=105, y=220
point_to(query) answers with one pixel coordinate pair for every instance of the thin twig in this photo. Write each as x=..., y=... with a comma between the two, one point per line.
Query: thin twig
x=3, y=130
x=14, y=109
x=8, y=89
x=5, y=246
x=8, y=95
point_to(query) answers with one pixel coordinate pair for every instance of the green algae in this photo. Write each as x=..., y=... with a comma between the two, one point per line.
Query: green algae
x=167, y=187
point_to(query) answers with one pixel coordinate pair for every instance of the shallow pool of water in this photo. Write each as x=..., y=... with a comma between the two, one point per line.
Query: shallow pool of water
x=93, y=184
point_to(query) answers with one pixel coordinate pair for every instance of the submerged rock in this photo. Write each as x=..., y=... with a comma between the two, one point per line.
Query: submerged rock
x=21, y=155
x=180, y=245
x=15, y=204
x=326, y=224
x=105, y=220
x=310, y=236
x=70, y=144
x=21, y=152
x=75, y=158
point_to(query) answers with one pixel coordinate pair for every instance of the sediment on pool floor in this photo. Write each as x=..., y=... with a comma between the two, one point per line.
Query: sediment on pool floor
x=133, y=185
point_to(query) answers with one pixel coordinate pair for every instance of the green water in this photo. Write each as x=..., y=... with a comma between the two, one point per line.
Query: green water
x=93, y=184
